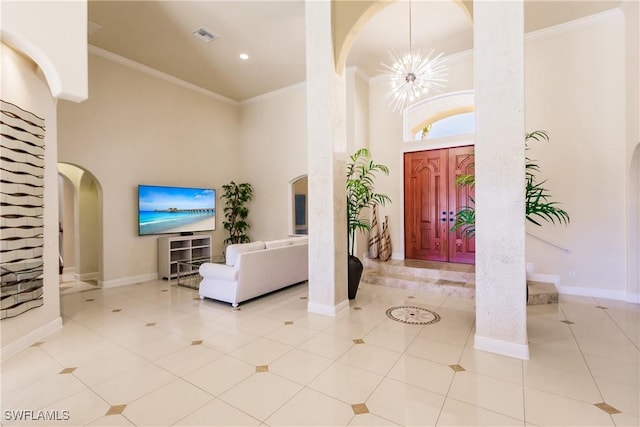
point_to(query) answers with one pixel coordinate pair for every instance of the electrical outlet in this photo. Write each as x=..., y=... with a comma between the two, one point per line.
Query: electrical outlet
x=572, y=275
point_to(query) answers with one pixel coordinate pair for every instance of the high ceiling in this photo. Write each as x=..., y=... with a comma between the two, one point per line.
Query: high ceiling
x=158, y=34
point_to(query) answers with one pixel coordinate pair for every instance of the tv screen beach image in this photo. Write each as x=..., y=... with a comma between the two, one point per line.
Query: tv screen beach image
x=175, y=209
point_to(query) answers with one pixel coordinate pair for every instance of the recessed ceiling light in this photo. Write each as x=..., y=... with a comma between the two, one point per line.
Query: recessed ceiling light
x=204, y=34
x=244, y=56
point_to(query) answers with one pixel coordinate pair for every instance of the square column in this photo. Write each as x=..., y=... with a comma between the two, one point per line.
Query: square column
x=326, y=139
x=501, y=310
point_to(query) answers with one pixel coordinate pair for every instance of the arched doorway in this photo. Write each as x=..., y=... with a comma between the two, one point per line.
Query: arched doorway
x=80, y=210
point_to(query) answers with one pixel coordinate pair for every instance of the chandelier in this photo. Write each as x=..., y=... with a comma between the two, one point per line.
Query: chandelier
x=414, y=74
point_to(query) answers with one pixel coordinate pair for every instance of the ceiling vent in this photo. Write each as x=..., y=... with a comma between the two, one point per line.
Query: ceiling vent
x=204, y=34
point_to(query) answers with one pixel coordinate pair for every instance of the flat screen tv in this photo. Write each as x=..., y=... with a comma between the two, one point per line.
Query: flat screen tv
x=163, y=210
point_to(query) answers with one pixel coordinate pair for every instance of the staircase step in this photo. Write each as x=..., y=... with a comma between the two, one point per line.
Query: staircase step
x=440, y=278
x=542, y=293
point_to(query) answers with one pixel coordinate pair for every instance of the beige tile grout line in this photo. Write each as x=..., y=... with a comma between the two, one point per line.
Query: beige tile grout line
x=588, y=367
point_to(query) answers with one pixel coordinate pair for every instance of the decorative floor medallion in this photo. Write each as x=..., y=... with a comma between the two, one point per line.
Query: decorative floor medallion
x=413, y=315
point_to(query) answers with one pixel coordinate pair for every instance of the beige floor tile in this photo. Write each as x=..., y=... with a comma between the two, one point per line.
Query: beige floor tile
x=130, y=386
x=315, y=321
x=30, y=366
x=626, y=420
x=623, y=372
x=489, y=393
x=370, y=420
x=83, y=407
x=559, y=381
x=448, y=334
x=261, y=351
x=111, y=421
x=310, y=408
x=435, y=351
x=327, y=345
x=220, y=375
x=346, y=383
x=188, y=359
x=300, y=366
x=259, y=325
x=167, y=404
x=405, y=404
x=546, y=409
x=371, y=358
x=161, y=346
x=230, y=340
x=291, y=335
x=457, y=413
x=623, y=397
x=43, y=393
x=559, y=354
x=350, y=329
x=261, y=394
x=422, y=373
x=492, y=365
x=403, y=329
x=388, y=339
x=109, y=366
x=616, y=351
x=217, y=413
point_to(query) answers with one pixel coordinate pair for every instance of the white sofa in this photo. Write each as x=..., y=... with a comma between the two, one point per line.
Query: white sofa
x=254, y=269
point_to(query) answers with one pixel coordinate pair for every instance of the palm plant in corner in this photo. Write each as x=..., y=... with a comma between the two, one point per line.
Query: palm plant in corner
x=361, y=172
x=236, y=212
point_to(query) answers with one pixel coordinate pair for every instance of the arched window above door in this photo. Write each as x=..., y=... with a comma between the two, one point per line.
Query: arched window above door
x=440, y=116
x=456, y=124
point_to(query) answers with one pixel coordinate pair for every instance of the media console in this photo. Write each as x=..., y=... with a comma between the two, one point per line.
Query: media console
x=181, y=249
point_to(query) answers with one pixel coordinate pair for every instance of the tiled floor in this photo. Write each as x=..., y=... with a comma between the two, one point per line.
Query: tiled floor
x=155, y=354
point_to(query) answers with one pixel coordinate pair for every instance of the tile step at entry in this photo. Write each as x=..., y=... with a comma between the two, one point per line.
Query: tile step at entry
x=441, y=278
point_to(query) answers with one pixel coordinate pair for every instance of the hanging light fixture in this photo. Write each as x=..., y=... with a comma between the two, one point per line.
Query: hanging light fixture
x=414, y=74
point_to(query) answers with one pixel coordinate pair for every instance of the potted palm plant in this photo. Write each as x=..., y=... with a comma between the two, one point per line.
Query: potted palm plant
x=538, y=203
x=236, y=212
x=361, y=172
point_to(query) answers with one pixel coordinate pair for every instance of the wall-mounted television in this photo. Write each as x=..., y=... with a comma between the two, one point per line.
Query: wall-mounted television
x=163, y=210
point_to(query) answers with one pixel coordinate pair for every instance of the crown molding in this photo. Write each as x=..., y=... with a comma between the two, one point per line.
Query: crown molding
x=273, y=93
x=110, y=56
x=569, y=25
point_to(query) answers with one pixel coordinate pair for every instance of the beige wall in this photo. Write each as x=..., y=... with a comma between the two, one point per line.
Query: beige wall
x=273, y=152
x=137, y=129
x=24, y=85
x=576, y=91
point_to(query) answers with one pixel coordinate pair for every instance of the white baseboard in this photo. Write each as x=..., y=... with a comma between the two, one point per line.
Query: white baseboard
x=31, y=338
x=328, y=310
x=594, y=293
x=123, y=281
x=505, y=348
x=548, y=278
x=632, y=298
x=88, y=276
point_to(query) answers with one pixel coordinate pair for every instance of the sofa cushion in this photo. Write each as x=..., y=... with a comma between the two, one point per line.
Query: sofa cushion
x=239, y=248
x=272, y=244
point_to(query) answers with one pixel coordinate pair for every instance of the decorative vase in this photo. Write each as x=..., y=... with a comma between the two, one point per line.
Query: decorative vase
x=355, y=273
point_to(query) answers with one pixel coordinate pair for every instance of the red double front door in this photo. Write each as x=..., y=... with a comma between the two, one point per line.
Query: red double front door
x=431, y=201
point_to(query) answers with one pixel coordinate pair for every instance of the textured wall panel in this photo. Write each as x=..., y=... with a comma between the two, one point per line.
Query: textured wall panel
x=21, y=210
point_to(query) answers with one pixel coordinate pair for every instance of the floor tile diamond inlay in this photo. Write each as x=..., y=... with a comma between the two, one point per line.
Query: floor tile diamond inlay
x=116, y=410
x=67, y=370
x=196, y=342
x=262, y=368
x=358, y=341
x=568, y=322
x=607, y=408
x=360, y=408
x=457, y=368
x=413, y=315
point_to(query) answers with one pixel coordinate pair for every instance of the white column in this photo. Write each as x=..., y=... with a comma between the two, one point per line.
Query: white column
x=326, y=139
x=501, y=312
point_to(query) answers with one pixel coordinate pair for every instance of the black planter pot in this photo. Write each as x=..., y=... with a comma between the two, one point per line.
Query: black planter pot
x=355, y=273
